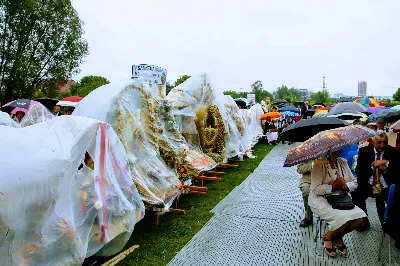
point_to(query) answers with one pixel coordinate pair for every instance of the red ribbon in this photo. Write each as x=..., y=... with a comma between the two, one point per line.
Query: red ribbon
x=104, y=226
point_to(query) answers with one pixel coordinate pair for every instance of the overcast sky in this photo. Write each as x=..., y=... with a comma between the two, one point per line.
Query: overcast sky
x=291, y=42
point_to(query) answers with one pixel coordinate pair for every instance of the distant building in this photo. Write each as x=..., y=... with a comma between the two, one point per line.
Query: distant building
x=383, y=98
x=305, y=94
x=348, y=98
x=338, y=95
x=362, y=89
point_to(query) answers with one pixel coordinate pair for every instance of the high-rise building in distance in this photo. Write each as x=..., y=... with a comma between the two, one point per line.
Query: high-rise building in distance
x=362, y=89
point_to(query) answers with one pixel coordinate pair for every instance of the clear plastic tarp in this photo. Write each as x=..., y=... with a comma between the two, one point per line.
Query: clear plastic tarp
x=197, y=95
x=37, y=113
x=133, y=112
x=189, y=161
x=237, y=134
x=6, y=120
x=66, y=192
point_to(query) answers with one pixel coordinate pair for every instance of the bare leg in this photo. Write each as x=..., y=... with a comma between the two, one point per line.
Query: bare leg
x=354, y=224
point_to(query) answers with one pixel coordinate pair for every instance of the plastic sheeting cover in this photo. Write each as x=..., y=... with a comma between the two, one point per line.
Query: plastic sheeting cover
x=130, y=109
x=57, y=205
x=37, y=113
x=211, y=117
x=6, y=120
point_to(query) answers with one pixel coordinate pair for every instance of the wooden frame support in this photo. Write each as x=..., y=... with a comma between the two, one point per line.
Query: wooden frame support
x=118, y=258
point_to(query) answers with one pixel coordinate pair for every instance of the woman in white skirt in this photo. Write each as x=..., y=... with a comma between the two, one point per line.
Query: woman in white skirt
x=331, y=175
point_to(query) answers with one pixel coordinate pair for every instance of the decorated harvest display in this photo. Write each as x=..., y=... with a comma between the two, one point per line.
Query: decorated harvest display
x=68, y=206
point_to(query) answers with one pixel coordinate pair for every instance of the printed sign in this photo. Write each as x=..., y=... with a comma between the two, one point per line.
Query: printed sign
x=150, y=73
x=251, y=98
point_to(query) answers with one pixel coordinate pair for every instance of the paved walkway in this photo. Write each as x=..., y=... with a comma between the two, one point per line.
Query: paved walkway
x=257, y=224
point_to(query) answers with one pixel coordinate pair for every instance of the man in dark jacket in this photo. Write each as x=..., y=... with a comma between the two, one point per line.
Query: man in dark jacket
x=56, y=110
x=379, y=156
x=304, y=109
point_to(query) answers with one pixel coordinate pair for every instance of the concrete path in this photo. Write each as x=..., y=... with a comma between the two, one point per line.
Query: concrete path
x=257, y=224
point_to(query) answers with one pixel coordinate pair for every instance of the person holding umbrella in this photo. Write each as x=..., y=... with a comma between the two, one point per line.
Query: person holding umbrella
x=332, y=176
x=331, y=182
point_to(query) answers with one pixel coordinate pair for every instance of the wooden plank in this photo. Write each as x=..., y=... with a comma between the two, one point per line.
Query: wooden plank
x=177, y=211
x=113, y=261
x=196, y=188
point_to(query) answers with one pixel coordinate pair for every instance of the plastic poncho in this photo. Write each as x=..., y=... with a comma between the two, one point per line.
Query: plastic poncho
x=210, y=115
x=37, y=113
x=66, y=193
x=132, y=111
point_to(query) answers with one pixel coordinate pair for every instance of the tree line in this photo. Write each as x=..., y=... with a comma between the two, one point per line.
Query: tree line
x=282, y=92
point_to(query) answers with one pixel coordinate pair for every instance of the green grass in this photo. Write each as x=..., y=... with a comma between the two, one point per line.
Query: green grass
x=159, y=244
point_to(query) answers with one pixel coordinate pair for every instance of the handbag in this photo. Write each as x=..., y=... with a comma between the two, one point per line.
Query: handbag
x=342, y=201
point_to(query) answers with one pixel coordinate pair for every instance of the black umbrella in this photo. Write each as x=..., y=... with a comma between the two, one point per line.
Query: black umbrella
x=302, y=104
x=388, y=115
x=348, y=107
x=242, y=104
x=306, y=128
x=49, y=103
x=289, y=109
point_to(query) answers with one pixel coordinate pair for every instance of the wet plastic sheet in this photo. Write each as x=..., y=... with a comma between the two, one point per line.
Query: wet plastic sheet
x=197, y=94
x=132, y=111
x=66, y=193
x=37, y=113
x=237, y=133
x=189, y=161
x=6, y=120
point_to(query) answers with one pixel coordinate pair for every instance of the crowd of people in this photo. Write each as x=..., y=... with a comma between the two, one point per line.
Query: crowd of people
x=376, y=168
x=19, y=115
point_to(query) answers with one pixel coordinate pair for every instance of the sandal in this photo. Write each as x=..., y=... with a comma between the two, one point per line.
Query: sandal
x=305, y=222
x=330, y=251
x=342, y=249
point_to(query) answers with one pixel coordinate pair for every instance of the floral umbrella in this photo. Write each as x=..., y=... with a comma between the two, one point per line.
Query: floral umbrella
x=369, y=102
x=396, y=125
x=273, y=115
x=326, y=142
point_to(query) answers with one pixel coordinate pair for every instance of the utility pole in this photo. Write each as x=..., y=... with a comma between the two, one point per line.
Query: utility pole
x=323, y=83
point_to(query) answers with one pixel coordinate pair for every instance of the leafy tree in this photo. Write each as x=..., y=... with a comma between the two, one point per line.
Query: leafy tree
x=47, y=88
x=179, y=81
x=169, y=87
x=85, y=86
x=236, y=94
x=321, y=96
x=290, y=95
x=258, y=90
x=38, y=40
x=396, y=96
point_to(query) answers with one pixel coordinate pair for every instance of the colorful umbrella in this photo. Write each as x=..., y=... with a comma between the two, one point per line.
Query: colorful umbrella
x=22, y=105
x=322, y=110
x=289, y=109
x=320, y=115
x=289, y=113
x=372, y=110
x=369, y=102
x=70, y=101
x=272, y=115
x=326, y=142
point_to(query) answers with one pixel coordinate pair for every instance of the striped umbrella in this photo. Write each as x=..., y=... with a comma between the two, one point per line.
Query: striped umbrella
x=369, y=102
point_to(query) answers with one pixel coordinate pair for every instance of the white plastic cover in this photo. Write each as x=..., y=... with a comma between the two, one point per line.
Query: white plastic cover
x=199, y=92
x=132, y=111
x=66, y=193
x=237, y=140
x=6, y=120
x=37, y=113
